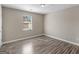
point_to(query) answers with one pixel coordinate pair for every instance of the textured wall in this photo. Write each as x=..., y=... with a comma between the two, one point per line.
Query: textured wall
x=63, y=24
x=12, y=24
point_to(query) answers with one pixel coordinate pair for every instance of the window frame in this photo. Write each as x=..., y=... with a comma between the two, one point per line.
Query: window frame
x=25, y=21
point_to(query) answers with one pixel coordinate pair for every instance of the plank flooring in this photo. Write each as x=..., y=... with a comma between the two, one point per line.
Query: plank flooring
x=40, y=45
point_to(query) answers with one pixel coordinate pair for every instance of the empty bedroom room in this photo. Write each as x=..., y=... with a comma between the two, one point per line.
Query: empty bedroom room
x=39, y=29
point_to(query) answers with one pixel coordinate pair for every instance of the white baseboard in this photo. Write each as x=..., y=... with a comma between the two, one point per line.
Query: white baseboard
x=41, y=35
x=22, y=39
x=62, y=39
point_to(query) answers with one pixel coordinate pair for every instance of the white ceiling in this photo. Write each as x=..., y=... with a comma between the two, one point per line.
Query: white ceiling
x=38, y=9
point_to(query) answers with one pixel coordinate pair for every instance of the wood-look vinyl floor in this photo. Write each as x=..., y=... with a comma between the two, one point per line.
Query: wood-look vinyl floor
x=40, y=45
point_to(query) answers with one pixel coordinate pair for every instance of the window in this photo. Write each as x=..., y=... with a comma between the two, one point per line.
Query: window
x=27, y=23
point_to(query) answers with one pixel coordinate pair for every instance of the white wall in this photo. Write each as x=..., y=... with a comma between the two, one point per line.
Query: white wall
x=63, y=24
x=0, y=25
x=12, y=24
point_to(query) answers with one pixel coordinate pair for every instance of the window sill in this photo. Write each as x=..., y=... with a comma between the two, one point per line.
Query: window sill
x=27, y=29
